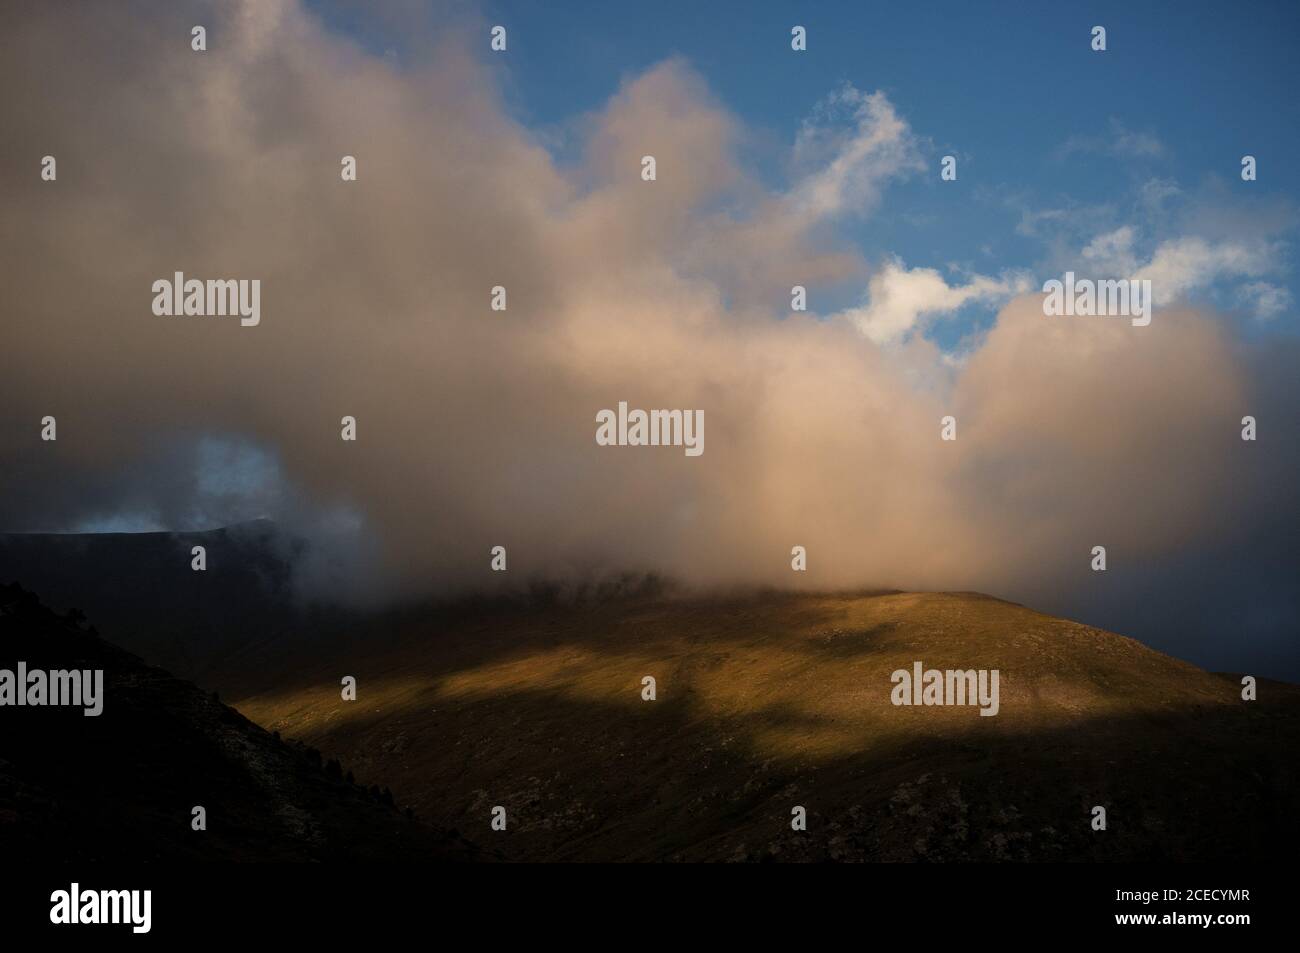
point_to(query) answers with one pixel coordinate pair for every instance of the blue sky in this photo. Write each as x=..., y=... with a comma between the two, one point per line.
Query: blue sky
x=1057, y=145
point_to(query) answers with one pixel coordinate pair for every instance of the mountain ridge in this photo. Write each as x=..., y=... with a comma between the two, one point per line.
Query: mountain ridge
x=123, y=785
x=766, y=700
x=779, y=700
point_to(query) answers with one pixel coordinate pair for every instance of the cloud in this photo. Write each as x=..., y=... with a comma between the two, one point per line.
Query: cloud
x=1053, y=221
x=475, y=427
x=1118, y=142
x=1154, y=192
x=1111, y=253
x=1267, y=300
x=1190, y=263
x=1032, y=219
x=900, y=299
x=853, y=160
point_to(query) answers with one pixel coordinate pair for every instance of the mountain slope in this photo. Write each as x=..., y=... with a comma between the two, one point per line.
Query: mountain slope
x=122, y=785
x=773, y=701
x=140, y=587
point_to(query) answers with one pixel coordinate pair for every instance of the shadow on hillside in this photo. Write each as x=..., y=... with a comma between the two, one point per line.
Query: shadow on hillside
x=697, y=774
x=585, y=779
x=123, y=785
x=481, y=631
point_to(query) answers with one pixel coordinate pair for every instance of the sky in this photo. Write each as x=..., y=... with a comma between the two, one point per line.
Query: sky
x=1058, y=146
x=523, y=169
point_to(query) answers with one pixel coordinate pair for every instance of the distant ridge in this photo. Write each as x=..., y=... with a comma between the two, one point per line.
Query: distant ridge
x=141, y=591
x=260, y=522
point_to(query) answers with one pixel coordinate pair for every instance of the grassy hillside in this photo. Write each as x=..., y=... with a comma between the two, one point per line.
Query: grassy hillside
x=770, y=701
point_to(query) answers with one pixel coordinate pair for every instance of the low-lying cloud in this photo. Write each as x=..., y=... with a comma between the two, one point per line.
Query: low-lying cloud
x=476, y=427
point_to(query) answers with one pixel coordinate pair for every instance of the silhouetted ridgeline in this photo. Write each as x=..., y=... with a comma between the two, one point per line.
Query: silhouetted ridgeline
x=122, y=785
x=140, y=589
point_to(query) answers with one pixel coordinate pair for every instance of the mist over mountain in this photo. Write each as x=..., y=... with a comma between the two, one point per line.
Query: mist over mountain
x=261, y=587
x=476, y=427
x=142, y=588
x=763, y=704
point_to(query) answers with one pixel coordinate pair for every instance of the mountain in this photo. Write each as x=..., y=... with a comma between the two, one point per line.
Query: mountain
x=122, y=785
x=770, y=701
x=765, y=702
x=141, y=587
